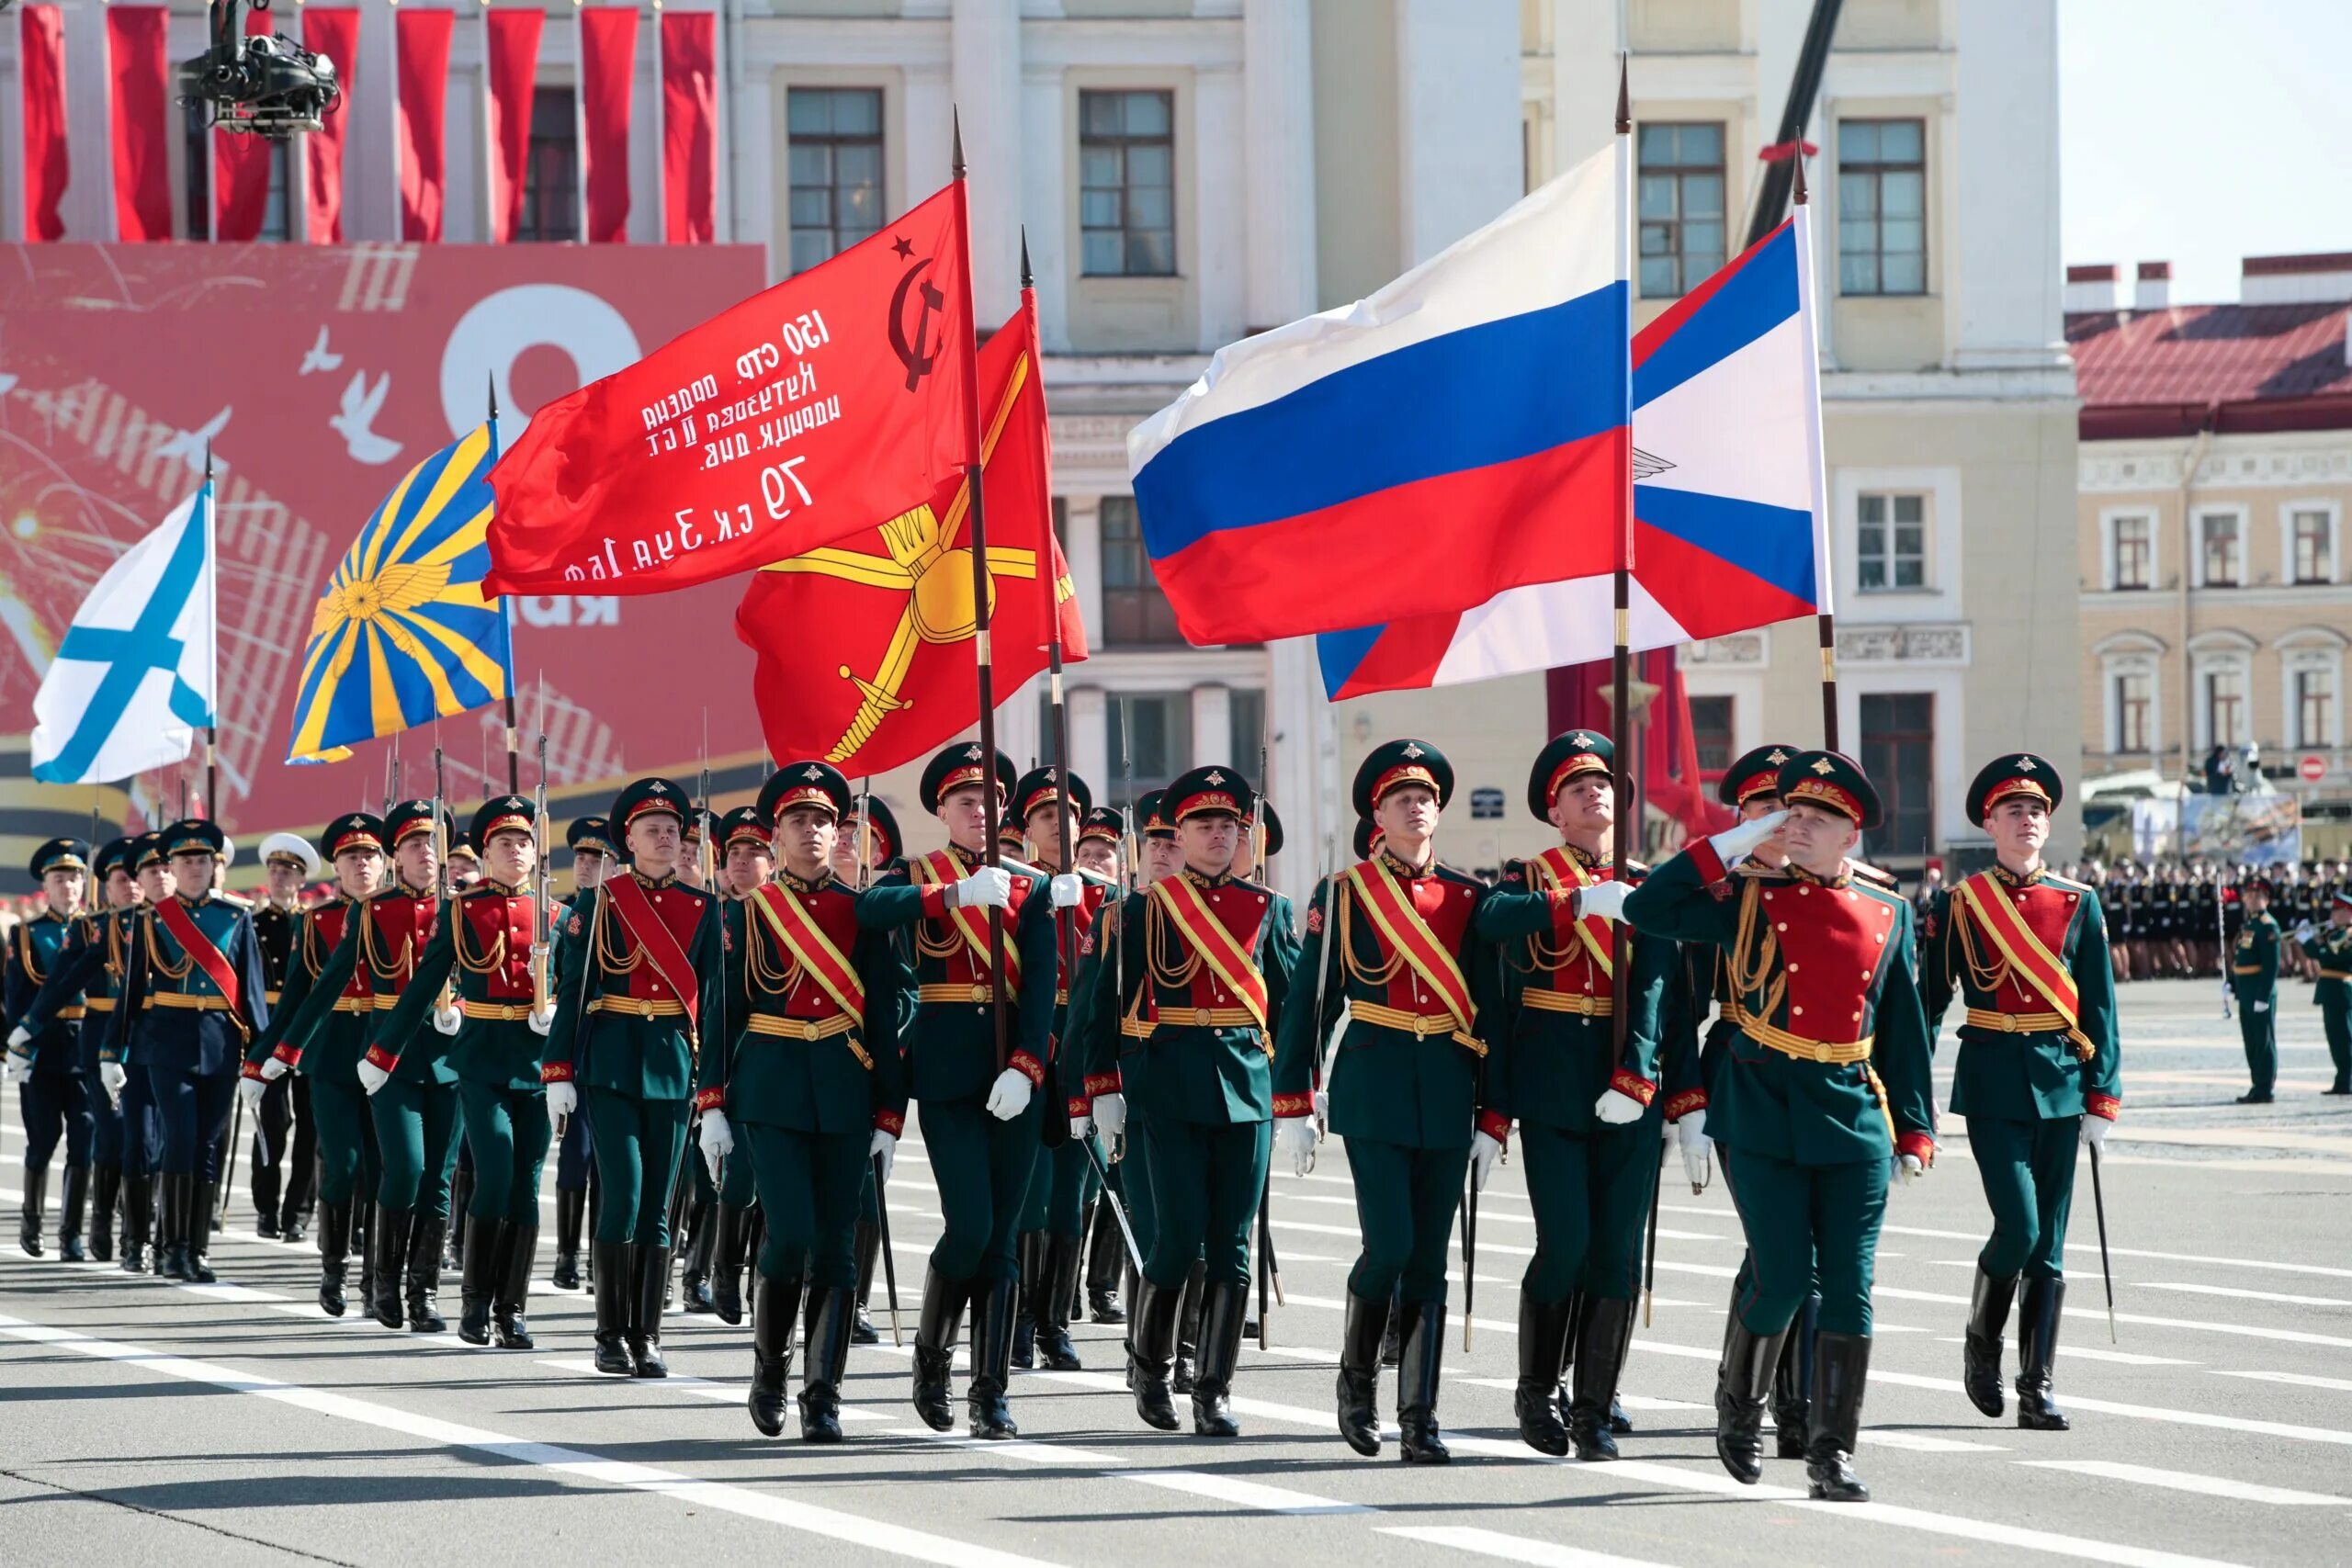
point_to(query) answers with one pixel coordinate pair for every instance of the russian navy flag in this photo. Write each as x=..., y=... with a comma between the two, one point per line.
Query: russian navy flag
x=1461, y=432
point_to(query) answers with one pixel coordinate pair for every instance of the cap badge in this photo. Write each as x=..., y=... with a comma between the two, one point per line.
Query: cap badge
x=1824, y=766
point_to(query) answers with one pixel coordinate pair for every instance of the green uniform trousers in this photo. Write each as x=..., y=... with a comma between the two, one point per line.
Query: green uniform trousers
x=1805, y=1222
x=2337, y=1021
x=507, y=1132
x=1134, y=1184
x=2028, y=1168
x=638, y=1143
x=810, y=1186
x=983, y=1167
x=1406, y=1199
x=417, y=1134
x=2259, y=1031
x=1207, y=1179
x=348, y=1164
x=1059, y=1189
x=1591, y=1192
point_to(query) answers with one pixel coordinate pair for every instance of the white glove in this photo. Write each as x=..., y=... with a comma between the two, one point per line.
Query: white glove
x=1483, y=1148
x=1111, y=1114
x=718, y=1140
x=18, y=1038
x=1606, y=899
x=447, y=1020
x=1910, y=1165
x=14, y=1063
x=563, y=1098
x=1618, y=1108
x=112, y=1076
x=2095, y=1130
x=272, y=1069
x=2260, y=1007
x=989, y=886
x=1735, y=844
x=1698, y=1149
x=1296, y=1137
x=2304, y=931
x=1322, y=1098
x=1082, y=1127
x=1066, y=891
x=1009, y=1096
x=884, y=1148
x=371, y=1076
x=250, y=1090
x=540, y=1022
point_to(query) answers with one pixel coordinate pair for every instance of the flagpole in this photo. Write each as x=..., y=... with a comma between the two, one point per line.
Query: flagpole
x=1065, y=920
x=212, y=636
x=506, y=665
x=1621, y=663
x=1817, y=471
x=983, y=657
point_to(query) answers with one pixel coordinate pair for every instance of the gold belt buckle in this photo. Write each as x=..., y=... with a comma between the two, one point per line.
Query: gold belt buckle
x=979, y=993
x=1821, y=1051
x=1421, y=1029
x=645, y=1008
x=2008, y=1023
x=1201, y=1017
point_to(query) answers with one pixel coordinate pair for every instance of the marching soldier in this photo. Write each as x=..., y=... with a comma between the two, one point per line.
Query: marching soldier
x=1211, y=973
x=1406, y=1090
x=640, y=967
x=2025, y=953
x=808, y=1092
x=2253, y=979
x=867, y=843
x=725, y=1220
x=1826, y=1086
x=193, y=984
x=489, y=947
x=1589, y=1121
x=123, y=1079
x=2329, y=947
x=50, y=1090
x=1102, y=845
x=589, y=839
x=980, y=1119
x=286, y=1147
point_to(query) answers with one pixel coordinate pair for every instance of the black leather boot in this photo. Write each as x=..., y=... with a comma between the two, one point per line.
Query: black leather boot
x=1543, y=1345
x=1106, y=1256
x=1188, y=1329
x=984, y=1395
x=203, y=1202
x=264, y=1183
x=1791, y=1376
x=478, y=1280
x=1360, y=1340
x=1841, y=1364
x=1602, y=1339
x=613, y=1307
x=387, y=1261
x=457, y=1233
x=2045, y=1301
x=731, y=1243
x=1742, y=1380
x=105, y=1188
x=570, y=1206
x=1980, y=1355
x=424, y=1276
x=334, y=1243
x=171, y=1224
x=299, y=1200
x=1053, y=1347
x=937, y=1330
x=652, y=1277
x=511, y=1283
x=1417, y=1383
x=72, y=1203
x=820, y=1380
x=1223, y=1310
x=869, y=1248
x=138, y=1221
x=1152, y=1347
x=775, y=1311
x=34, y=1214
x=362, y=1238
x=1029, y=1256
x=702, y=1238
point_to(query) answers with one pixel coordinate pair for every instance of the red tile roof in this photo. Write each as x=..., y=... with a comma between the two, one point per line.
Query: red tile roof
x=2241, y=368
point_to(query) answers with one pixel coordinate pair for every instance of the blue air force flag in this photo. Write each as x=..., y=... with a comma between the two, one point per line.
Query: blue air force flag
x=132, y=683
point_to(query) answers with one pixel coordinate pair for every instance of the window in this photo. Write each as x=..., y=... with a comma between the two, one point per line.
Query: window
x=550, y=169
x=836, y=170
x=2313, y=538
x=2133, y=705
x=2314, y=707
x=2220, y=531
x=1126, y=184
x=1153, y=731
x=1134, y=609
x=1881, y=206
x=1682, y=207
x=1246, y=725
x=2134, y=551
x=278, y=214
x=1899, y=755
x=1711, y=729
x=1891, y=542
x=2225, y=705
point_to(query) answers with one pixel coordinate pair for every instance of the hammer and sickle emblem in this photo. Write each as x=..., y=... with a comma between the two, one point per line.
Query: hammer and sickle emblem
x=919, y=355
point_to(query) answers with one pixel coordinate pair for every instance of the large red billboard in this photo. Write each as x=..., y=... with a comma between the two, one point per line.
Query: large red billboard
x=317, y=375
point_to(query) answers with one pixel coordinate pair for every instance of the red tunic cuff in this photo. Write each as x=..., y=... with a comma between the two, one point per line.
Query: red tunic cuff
x=1681, y=1105
x=1029, y=1067
x=1919, y=1145
x=1632, y=1086
x=1289, y=1107
x=1710, y=866
x=250, y=1070
x=934, y=900
x=555, y=1072
x=1104, y=1083
x=2105, y=1106
x=889, y=1122
x=287, y=1055
x=1496, y=1125
x=1078, y=1105
x=382, y=1058
x=704, y=1099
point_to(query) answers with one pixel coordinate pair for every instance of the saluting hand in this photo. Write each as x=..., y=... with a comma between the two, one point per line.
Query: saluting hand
x=1735, y=844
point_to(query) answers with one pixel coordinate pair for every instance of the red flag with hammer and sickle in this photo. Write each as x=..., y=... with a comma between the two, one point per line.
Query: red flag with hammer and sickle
x=785, y=422
x=866, y=648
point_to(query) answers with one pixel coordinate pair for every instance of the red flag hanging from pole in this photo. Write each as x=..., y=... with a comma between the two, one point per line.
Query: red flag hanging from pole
x=240, y=169
x=424, y=37
x=608, y=66
x=514, y=39
x=47, y=166
x=788, y=422
x=866, y=648
x=142, y=76
x=689, y=126
x=334, y=31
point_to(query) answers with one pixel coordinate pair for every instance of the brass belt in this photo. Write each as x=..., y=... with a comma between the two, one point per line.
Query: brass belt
x=384, y=1002
x=354, y=1004
x=946, y=993
x=1566, y=1001
x=1134, y=1028
x=2325, y=975
x=800, y=1028
x=641, y=1007
x=497, y=1012
x=271, y=997
x=67, y=1015
x=1420, y=1025
x=2246, y=968
x=1199, y=1018
x=1797, y=1045
x=106, y=1004
x=2016, y=1022
x=195, y=1003
x=1061, y=997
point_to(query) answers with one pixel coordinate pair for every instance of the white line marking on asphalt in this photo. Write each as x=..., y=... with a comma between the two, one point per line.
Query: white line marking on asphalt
x=2098, y=1315
x=2144, y=1411
x=2180, y=1481
x=1630, y=1401
x=2301, y=1380
x=700, y=1388
x=1919, y=1442
x=1511, y=1548
x=2084, y=1353
x=227, y=1292
x=880, y=1535
x=1023, y=1448
x=2245, y=1295
x=1244, y=1494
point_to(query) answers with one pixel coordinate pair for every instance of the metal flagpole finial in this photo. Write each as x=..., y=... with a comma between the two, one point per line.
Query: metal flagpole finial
x=491, y=376
x=208, y=462
x=956, y=160
x=1624, y=94
x=1797, y=158
x=1027, y=281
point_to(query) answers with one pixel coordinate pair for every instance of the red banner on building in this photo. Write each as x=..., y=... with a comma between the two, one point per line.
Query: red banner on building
x=333, y=31
x=47, y=166
x=689, y=126
x=424, y=49
x=514, y=76
x=140, y=70
x=240, y=169
x=608, y=66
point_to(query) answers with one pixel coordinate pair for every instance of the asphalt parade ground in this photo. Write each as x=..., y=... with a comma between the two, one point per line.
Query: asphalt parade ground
x=146, y=1422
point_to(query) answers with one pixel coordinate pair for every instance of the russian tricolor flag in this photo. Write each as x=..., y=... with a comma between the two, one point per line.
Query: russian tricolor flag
x=1459, y=432
x=1729, y=522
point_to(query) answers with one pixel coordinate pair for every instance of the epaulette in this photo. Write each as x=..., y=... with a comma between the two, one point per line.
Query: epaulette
x=1757, y=871
x=235, y=902
x=1455, y=873
x=2068, y=882
x=1876, y=875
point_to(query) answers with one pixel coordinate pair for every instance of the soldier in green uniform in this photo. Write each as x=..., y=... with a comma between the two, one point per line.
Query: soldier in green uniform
x=285, y=1142
x=808, y=1092
x=590, y=841
x=50, y=1090
x=1212, y=973
x=119, y=1077
x=2253, y=980
x=2329, y=947
x=193, y=990
x=1825, y=1088
x=641, y=973
x=1590, y=1118
x=723, y=1232
x=1104, y=838
x=980, y=1117
x=2024, y=952
x=1406, y=1087
x=489, y=947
